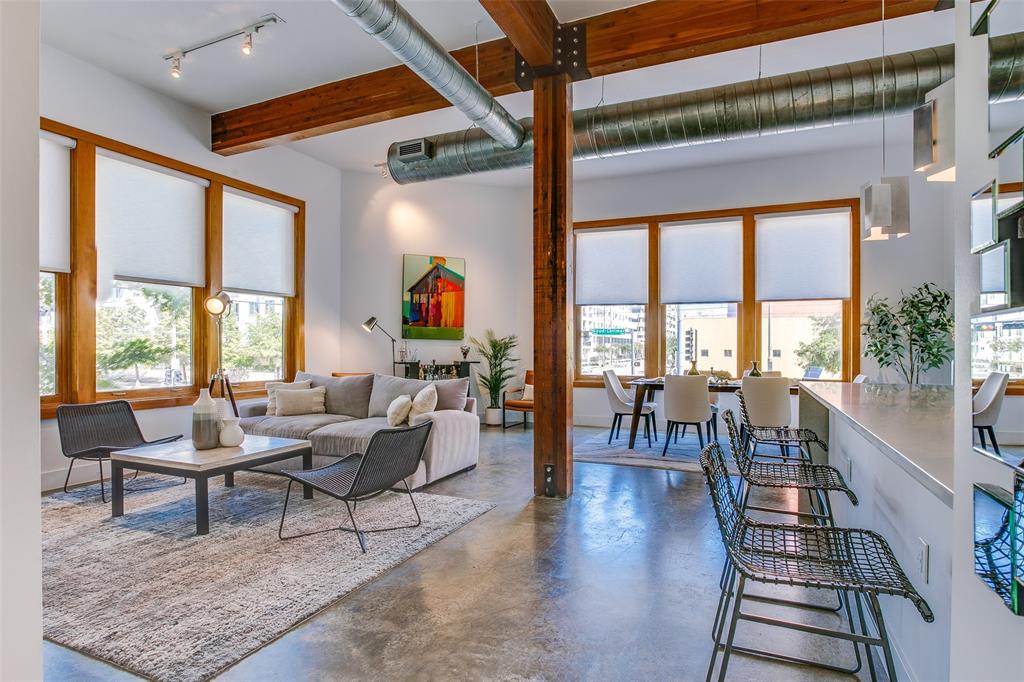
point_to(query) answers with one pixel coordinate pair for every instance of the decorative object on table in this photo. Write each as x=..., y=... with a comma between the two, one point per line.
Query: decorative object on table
x=403, y=352
x=231, y=434
x=754, y=371
x=433, y=297
x=496, y=352
x=886, y=204
x=372, y=324
x=223, y=408
x=465, y=352
x=205, y=422
x=218, y=307
x=914, y=335
x=693, y=371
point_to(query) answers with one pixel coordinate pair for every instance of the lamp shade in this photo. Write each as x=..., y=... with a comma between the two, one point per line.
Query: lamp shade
x=369, y=325
x=217, y=305
x=934, y=132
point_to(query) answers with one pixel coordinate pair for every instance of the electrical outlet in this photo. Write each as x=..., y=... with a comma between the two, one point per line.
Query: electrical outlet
x=922, y=559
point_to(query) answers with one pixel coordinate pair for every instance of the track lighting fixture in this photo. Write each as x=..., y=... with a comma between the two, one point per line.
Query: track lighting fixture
x=246, y=32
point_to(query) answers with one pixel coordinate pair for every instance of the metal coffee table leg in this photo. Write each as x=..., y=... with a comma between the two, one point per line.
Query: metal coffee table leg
x=202, y=506
x=307, y=464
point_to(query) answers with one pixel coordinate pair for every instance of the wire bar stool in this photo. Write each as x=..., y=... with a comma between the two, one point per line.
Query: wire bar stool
x=783, y=437
x=810, y=556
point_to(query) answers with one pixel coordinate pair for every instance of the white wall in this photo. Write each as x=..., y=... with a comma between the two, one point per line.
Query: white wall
x=79, y=94
x=491, y=227
x=20, y=565
x=886, y=267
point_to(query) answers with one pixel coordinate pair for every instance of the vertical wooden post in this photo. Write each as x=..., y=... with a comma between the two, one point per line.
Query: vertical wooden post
x=205, y=336
x=552, y=285
x=82, y=310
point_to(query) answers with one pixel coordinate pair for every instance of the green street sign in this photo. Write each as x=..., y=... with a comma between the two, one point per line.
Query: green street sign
x=607, y=331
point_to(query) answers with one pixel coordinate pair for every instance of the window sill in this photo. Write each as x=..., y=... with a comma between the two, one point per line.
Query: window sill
x=48, y=410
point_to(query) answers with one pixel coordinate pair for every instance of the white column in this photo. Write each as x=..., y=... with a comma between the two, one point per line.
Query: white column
x=20, y=566
x=985, y=637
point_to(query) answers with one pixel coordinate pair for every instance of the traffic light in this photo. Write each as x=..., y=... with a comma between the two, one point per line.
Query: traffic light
x=688, y=345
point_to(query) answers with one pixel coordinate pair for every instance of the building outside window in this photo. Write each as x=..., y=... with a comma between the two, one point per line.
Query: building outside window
x=612, y=337
x=711, y=326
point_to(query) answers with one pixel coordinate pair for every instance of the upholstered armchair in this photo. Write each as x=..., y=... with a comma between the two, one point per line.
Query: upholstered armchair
x=523, y=402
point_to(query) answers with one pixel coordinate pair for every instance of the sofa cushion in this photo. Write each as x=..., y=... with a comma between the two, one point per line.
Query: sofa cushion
x=398, y=410
x=274, y=386
x=346, y=437
x=299, y=426
x=424, y=402
x=451, y=393
x=305, y=401
x=345, y=395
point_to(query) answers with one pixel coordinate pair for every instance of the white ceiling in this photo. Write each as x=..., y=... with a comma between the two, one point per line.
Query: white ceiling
x=319, y=44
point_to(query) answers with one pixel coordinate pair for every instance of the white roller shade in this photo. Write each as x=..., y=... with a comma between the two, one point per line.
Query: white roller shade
x=150, y=225
x=611, y=266
x=803, y=255
x=702, y=261
x=54, y=205
x=259, y=246
x=993, y=270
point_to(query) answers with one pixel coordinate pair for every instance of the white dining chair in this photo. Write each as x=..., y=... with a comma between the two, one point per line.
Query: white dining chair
x=988, y=402
x=687, y=403
x=767, y=401
x=622, y=406
x=860, y=378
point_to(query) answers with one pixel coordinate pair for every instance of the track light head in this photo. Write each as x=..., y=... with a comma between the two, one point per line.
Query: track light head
x=176, y=67
x=247, y=44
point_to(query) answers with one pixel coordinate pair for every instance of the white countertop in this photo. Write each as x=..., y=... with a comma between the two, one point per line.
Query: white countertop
x=913, y=425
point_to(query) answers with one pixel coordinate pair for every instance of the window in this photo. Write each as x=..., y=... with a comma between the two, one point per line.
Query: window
x=254, y=337
x=802, y=339
x=144, y=337
x=47, y=333
x=611, y=297
x=141, y=281
x=611, y=337
x=997, y=345
x=775, y=284
x=711, y=326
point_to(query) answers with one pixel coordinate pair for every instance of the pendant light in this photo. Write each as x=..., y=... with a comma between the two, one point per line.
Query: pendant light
x=934, y=126
x=885, y=205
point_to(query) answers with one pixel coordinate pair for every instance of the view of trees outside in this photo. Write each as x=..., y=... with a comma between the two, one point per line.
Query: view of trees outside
x=47, y=334
x=144, y=337
x=254, y=337
x=797, y=336
x=997, y=345
x=714, y=328
x=612, y=337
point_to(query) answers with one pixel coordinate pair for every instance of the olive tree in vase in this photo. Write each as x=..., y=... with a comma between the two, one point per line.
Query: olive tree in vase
x=914, y=334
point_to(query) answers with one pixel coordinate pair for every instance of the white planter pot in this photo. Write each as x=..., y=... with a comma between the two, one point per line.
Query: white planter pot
x=492, y=417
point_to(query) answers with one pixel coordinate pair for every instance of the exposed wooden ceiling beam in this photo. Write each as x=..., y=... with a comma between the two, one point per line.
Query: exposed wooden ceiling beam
x=631, y=38
x=529, y=24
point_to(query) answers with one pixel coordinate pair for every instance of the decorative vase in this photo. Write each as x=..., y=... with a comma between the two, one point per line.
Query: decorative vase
x=205, y=422
x=754, y=371
x=693, y=371
x=492, y=417
x=223, y=409
x=231, y=434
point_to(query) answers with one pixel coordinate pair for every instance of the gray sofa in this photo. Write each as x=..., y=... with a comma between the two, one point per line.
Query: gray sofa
x=357, y=408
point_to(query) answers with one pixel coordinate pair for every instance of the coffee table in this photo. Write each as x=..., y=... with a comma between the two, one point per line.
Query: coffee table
x=180, y=458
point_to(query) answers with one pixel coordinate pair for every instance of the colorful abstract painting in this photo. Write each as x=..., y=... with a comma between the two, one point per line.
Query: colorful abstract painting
x=433, y=297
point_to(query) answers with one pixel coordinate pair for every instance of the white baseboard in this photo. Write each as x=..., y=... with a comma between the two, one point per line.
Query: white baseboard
x=84, y=472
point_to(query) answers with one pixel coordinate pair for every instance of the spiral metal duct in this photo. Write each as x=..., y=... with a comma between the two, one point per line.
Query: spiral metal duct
x=394, y=28
x=816, y=98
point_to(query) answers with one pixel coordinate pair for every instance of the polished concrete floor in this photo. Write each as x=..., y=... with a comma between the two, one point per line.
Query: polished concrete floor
x=617, y=583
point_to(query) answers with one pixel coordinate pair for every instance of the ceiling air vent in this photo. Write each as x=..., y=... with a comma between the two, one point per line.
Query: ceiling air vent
x=415, y=150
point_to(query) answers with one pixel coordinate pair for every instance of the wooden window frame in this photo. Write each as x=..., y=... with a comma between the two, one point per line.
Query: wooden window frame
x=748, y=328
x=76, y=291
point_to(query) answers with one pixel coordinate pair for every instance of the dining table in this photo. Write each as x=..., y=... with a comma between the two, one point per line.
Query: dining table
x=648, y=386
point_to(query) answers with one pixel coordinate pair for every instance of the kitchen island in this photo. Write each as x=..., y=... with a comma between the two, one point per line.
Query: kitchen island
x=894, y=446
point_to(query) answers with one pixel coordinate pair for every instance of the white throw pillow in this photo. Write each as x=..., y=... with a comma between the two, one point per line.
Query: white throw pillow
x=527, y=392
x=398, y=410
x=301, y=401
x=273, y=386
x=425, y=401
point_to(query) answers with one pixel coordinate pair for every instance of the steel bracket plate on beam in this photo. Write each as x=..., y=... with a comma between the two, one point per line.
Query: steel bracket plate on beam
x=570, y=50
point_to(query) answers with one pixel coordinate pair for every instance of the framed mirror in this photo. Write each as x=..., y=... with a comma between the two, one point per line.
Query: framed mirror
x=997, y=540
x=984, y=224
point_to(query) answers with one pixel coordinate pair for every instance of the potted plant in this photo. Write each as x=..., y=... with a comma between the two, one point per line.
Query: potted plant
x=496, y=352
x=913, y=335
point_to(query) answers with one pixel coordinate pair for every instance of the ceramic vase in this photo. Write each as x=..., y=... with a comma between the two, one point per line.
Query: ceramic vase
x=754, y=370
x=492, y=416
x=693, y=371
x=205, y=422
x=231, y=434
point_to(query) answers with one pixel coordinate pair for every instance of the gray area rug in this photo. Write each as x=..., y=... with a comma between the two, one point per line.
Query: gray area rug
x=682, y=455
x=144, y=593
